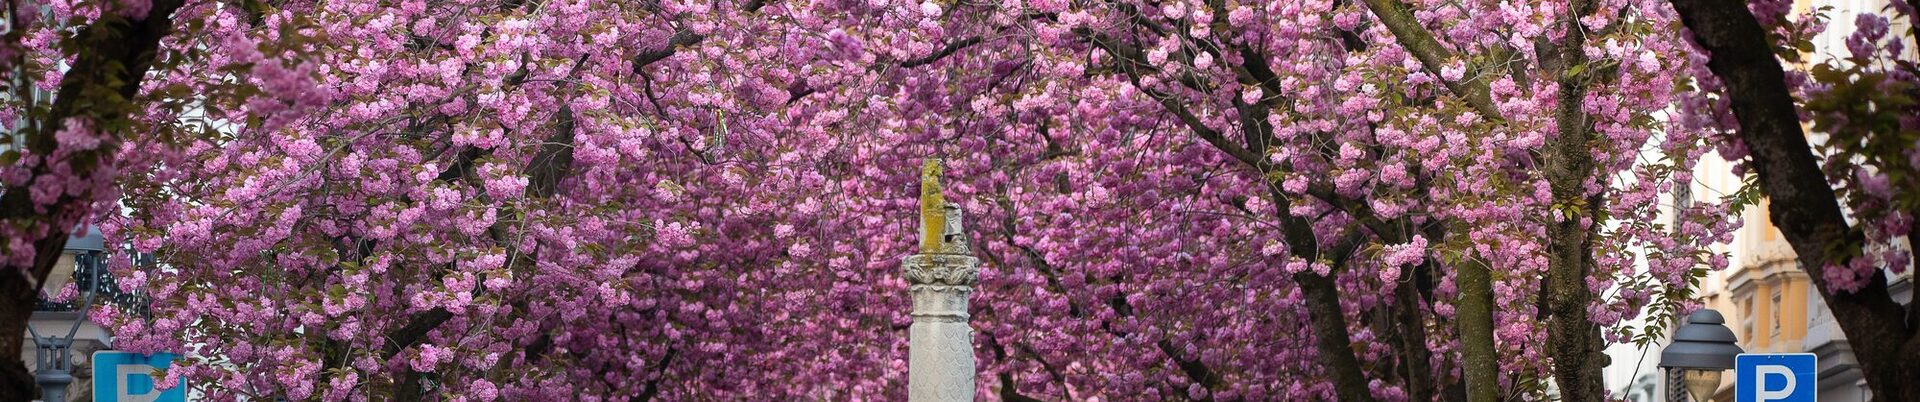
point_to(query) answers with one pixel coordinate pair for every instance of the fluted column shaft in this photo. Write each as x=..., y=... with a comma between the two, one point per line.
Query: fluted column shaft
x=940, y=352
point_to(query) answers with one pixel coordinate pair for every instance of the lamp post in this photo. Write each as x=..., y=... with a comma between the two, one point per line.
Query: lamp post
x=52, y=358
x=1702, y=349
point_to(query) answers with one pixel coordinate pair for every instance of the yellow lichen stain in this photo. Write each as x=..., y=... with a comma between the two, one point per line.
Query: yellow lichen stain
x=933, y=215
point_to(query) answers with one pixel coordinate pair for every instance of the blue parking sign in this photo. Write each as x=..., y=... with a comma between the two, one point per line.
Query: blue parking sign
x=1776, y=377
x=128, y=377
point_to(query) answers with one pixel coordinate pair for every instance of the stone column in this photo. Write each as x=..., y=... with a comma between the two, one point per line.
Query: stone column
x=940, y=365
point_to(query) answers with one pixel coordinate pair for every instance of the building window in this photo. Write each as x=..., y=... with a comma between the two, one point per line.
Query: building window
x=1775, y=310
x=1746, y=319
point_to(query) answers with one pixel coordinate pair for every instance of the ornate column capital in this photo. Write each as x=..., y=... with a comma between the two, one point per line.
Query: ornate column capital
x=941, y=269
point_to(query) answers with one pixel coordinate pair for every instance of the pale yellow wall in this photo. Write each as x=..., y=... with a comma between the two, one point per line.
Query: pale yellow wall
x=1760, y=261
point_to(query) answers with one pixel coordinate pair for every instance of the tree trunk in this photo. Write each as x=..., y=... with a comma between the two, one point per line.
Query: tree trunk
x=1331, y=338
x=1804, y=206
x=1473, y=318
x=1409, y=320
x=1573, y=339
x=16, y=384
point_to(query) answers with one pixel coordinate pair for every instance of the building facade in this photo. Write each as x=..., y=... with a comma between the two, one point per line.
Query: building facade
x=1770, y=304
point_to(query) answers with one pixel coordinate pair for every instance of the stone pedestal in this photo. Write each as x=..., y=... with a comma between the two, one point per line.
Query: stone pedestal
x=940, y=358
x=940, y=343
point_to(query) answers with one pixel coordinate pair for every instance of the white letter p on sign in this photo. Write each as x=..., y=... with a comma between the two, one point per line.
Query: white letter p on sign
x=1764, y=394
x=127, y=372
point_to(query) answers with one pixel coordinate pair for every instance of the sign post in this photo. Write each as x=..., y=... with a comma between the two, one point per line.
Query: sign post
x=128, y=377
x=1776, y=377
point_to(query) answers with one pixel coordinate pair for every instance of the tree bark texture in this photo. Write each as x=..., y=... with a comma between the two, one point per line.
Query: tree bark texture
x=1473, y=318
x=1573, y=339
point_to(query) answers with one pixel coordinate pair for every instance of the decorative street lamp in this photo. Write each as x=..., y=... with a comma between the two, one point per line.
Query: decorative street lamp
x=84, y=261
x=1702, y=349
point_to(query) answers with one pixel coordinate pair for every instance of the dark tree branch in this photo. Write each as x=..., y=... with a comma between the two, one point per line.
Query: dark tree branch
x=1009, y=391
x=1193, y=368
x=550, y=164
x=680, y=39
x=1410, y=322
x=1474, y=324
x=653, y=386
x=1328, y=320
x=1432, y=54
x=418, y=324
x=1132, y=62
x=1329, y=327
x=554, y=161
x=944, y=51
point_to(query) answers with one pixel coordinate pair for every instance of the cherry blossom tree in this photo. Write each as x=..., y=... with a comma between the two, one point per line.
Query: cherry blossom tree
x=64, y=150
x=1843, y=201
x=1188, y=200
x=1589, y=132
